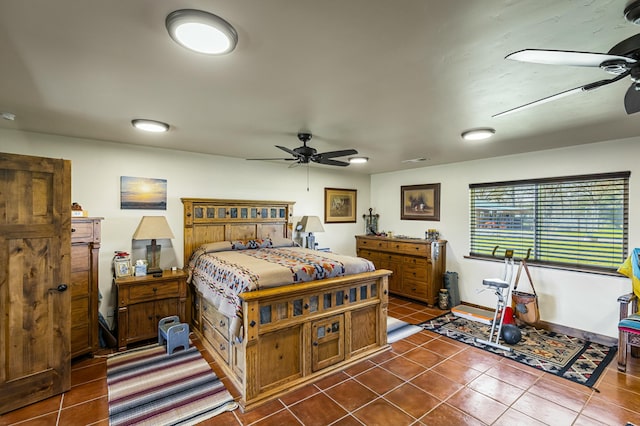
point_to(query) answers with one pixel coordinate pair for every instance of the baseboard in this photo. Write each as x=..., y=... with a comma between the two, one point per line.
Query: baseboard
x=570, y=331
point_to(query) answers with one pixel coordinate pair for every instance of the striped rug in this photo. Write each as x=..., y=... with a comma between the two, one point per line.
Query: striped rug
x=148, y=387
x=397, y=329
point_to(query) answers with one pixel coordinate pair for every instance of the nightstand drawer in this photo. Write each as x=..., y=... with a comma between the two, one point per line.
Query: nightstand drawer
x=152, y=291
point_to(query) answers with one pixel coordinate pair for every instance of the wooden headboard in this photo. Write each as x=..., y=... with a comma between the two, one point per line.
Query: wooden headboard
x=208, y=220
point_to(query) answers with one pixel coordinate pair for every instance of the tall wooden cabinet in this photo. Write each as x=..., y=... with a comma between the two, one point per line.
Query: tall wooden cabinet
x=85, y=248
x=417, y=265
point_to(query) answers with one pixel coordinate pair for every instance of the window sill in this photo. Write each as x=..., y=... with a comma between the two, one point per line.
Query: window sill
x=596, y=271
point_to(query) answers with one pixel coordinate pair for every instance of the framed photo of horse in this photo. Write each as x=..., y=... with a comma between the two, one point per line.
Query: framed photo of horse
x=340, y=205
x=420, y=202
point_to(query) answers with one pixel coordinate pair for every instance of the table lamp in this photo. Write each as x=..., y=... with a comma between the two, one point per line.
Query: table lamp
x=153, y=228
x=311, y=224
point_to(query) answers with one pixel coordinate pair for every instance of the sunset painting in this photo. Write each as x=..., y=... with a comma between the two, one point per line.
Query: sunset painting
x=143, y=193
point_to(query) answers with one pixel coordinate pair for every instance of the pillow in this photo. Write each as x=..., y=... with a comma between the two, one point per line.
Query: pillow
x=282, y=242
x=250, y=244
x=214, y=247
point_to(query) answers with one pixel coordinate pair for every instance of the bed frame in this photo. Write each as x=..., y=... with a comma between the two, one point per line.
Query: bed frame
x=294, y=334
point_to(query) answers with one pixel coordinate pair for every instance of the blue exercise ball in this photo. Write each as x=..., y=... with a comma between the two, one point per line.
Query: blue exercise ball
x=511, y=334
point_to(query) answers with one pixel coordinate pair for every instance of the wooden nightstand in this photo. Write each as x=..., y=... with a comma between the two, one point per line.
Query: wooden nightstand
x=143, y=301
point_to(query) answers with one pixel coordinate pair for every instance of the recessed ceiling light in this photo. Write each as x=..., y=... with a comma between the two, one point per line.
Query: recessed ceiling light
x=201, y=31
x=150, y=125
x=478, y=134
x=9, y=116
x=358, y=160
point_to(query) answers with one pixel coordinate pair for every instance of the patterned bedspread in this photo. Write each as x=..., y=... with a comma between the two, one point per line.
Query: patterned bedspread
x=221, y=276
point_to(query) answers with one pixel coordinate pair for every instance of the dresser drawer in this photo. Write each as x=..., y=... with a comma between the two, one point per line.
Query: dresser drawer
x=417, y=289
x=418, y=262
x=372, y=244
x=411, y=248
x=411, y=272
x=81, y=231
x=152, y=291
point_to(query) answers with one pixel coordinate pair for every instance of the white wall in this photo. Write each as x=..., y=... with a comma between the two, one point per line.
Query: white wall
x=579, y=300
x=97, y=167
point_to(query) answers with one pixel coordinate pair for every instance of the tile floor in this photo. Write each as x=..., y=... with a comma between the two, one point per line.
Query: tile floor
x=425, y=379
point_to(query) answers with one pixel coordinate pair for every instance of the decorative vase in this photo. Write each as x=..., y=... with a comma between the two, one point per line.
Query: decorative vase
x=443, y=299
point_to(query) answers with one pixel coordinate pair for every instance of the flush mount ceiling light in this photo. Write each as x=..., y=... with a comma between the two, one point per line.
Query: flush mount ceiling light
x=478, y=134
x=358, y=160
x=150, y=125
x=201, y=31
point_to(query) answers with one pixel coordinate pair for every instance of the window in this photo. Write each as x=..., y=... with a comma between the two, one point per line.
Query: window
x=575, y=221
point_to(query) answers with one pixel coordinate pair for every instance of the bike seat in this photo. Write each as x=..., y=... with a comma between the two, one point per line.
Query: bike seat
x=495, y=282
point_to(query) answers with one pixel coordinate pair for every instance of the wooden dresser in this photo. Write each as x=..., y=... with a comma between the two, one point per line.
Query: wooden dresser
x=418, y=265
x=85, y=247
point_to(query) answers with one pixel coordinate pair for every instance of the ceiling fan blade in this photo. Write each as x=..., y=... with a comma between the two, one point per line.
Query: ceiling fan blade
x=585, y=88
x=285, y=149
x=632, y=99
x=329, y=162
x=272, y=159
x=333, y=154
x=565, y=57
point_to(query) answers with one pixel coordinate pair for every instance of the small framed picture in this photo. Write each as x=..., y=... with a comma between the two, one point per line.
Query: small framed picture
x=122, y=268
x=340, y=205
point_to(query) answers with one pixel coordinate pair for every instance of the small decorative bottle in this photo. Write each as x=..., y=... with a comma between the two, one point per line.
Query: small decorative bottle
x=443, y=299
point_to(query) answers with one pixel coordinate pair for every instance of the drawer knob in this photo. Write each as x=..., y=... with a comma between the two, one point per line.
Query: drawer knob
x=155, y=289
x=222, y=348
x=73, y=229
x=252, y=323
x=306, y=306
x=222, y=324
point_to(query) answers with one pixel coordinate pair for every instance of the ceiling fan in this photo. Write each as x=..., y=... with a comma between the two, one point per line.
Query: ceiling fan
x=622, y=60
x=305, y=154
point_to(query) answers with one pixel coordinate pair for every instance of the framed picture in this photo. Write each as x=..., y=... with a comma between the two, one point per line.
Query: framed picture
x=340, y=205
x=420, y=202
x=122, y=268
x=143, y=193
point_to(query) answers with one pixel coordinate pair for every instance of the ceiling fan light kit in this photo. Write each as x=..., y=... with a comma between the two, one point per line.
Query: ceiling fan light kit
x=201, y=31
x=478, y=134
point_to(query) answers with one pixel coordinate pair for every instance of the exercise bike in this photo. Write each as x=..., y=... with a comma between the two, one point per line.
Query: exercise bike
x=502, y=289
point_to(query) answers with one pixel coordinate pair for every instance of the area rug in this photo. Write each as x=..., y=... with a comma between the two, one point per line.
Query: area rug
x=148, y=387
x=574, y=359
x=397, y=329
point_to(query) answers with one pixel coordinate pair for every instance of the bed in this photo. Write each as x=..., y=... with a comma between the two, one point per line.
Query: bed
x=276, y=328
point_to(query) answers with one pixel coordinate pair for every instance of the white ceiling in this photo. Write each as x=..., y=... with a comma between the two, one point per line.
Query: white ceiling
x=394, y=79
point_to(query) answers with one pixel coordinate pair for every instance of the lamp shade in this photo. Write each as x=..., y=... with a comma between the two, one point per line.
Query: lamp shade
x=311, y=224
x=153, y=228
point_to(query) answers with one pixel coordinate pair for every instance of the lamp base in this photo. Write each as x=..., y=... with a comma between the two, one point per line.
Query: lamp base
x=154, y=271
x=153, y=259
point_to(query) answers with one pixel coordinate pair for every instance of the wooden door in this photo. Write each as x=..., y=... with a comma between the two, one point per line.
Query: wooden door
x=35, y=235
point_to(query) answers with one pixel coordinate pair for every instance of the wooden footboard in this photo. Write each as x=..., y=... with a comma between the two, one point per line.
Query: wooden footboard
x=297, y=334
